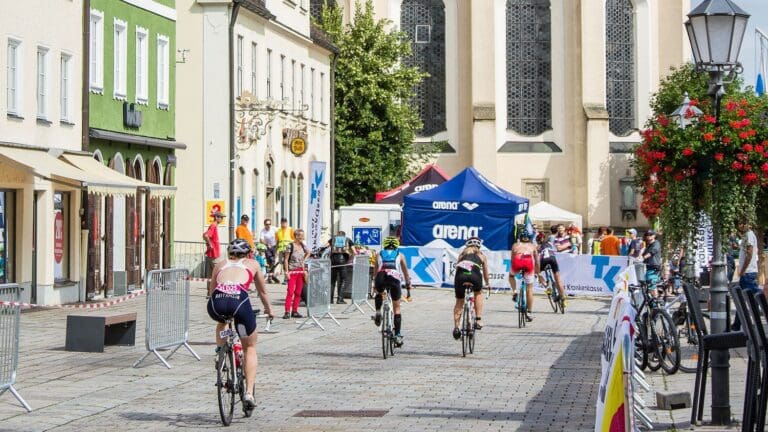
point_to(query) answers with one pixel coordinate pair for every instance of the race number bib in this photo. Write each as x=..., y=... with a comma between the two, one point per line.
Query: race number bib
x=466, y=265
x=393, y=273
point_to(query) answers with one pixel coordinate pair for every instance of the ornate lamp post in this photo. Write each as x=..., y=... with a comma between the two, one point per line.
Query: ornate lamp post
x=715, y=30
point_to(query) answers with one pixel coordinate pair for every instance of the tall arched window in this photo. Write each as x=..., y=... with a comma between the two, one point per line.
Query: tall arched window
x=300, y=199
x=529, y=66
x=292, y=200
x=620, y=66
x=424, y=23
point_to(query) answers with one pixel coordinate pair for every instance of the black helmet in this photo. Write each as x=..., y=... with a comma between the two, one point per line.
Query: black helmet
x=523, y=234
x=239, y=246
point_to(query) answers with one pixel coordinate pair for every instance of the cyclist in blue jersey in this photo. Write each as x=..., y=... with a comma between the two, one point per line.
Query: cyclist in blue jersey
x=391, y=272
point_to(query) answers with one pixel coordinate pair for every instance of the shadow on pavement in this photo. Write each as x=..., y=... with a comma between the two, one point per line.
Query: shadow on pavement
x=195, y=421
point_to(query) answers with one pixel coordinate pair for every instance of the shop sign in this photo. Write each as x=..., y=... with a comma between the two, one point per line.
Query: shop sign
x=58, y=237
x=296, y=140
x=298, y=146
x=211, y=207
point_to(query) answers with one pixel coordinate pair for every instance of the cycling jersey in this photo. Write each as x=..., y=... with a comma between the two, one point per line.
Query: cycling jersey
x=389, y=276
x=470, y=263
x=230, y=299
x=232, y=287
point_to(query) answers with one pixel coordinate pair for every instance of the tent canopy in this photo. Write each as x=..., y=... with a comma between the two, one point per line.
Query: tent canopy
x=429, y=177
x=544, y=211
x=464, y=206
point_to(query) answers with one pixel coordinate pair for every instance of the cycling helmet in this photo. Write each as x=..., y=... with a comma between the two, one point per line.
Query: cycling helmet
x=391, y=242
x=261, y=246
x=523, y=234
x=239, y=246
x=473, y=241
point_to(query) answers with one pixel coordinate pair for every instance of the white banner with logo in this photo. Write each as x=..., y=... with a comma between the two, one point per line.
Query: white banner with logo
x=425, y=265
x=315, y=212
x=498, y=267
x=591, y=274
x=704, y=242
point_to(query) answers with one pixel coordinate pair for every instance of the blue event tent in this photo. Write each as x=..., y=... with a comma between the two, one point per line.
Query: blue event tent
x=464, y=206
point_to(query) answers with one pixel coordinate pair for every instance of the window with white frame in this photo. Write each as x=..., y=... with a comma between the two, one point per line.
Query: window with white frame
x=301, y=92
x=120, y=59
x=13, y=77
x=254, y=68
x=96, y=69
x=142, y=65
x=312, y=93
x=322, y=97
x=64, y=87
x=42, y=83
x=239, y=89
x=282, y=77
x=293, y=84
x=269, y=74
x=162, y=72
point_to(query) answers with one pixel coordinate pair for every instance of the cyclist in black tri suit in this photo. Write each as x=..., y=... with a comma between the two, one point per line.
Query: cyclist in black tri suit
x=471, y=267
x=390, y=271
x=547, y=249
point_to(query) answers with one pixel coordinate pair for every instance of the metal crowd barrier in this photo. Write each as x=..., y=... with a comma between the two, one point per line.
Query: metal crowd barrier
x=9, y=341
x=361, y=284
x=167, y=313
x=318, y=292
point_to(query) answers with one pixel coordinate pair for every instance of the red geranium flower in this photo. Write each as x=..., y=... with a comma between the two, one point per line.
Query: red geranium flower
x=663, y=120
x=727, y=140
x=759, y=148
x=668, y=169
x=741, y=112
x=737, y=165
x=730, y=106
x=708, y=136
x=709, y=119
x=687, y=151
x=679, y=177
x=750, y=179
x=744, y=135
x=747, y=147
x=718, y=156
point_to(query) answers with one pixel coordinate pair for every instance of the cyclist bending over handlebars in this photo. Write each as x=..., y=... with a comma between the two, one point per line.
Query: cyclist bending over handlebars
x=390, y=269
x=524, y=260
x=472, y=268
x=228, y=292
x=547, y=257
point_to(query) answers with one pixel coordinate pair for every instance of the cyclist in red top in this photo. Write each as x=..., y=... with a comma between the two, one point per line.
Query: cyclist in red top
x=524, y=254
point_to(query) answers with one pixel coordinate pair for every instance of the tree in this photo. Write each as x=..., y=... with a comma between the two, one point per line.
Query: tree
x=375, y=125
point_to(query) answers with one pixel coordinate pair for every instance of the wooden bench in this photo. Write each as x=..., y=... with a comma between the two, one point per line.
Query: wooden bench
x=89, y=333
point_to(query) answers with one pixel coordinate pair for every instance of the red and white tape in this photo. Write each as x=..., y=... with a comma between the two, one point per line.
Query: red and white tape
x=78, y=306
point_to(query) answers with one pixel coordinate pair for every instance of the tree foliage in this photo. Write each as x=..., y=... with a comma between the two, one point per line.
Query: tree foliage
x=375, y=125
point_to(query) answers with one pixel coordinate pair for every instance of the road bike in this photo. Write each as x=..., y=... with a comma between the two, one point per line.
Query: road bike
x=230, y=374
x=387, y=327
x=553, y=294
x=468, y=321
x=522, y=303
x=657, y=345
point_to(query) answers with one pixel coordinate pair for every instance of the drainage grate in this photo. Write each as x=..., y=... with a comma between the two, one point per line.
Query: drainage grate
x=341, y=413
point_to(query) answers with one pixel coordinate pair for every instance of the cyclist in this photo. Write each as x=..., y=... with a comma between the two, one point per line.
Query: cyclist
x=228, y=297
x=547, y=257
x=390, y=271
x=523, y=260
x=471, y=267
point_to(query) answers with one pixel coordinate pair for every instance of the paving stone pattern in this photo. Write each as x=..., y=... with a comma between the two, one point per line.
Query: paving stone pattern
x=541, y=378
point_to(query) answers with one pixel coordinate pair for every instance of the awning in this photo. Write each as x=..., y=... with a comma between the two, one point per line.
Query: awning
x=91, y=165
x=44, y=165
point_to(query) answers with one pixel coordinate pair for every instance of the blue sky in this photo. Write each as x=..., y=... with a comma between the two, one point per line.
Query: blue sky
x=759, y=11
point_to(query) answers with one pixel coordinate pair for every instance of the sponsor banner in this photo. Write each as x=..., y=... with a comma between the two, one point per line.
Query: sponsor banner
x=498, y=267
x=425, y=265
x=591, y=274
x=613, y=399
x=315, y=212
x=455, y=227
x=704, y=242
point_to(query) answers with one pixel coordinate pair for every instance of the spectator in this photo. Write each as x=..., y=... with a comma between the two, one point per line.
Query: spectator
x=635, y=244
x=212, y=247
x=267, y=236
x=651, y=256
x=747, y=264
x=341, y=251
x=294, y=255
x=575, y=233
x=561, y=240
x=610, y=244
x=594, y=242
x=284, y=237
x=243, y=232
x=732, y=256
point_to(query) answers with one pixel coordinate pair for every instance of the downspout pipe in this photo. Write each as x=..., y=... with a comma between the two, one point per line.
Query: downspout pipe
x=85, y=96
x=231, y=126
x=332, y=112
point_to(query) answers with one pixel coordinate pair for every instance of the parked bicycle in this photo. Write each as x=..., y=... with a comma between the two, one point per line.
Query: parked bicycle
x=468, y=321
x=553, y=294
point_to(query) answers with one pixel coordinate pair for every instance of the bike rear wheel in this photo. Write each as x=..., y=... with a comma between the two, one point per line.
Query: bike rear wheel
x=465, y=330
x=641, y=355
x=471, y=330
x=669, y=345
x=385, y=326
x=225, y=383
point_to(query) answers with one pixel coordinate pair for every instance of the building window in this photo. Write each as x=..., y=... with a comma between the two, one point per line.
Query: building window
x=300, y=201
x=254, y=197
x=66, y=78
x=96, y=69
x=121, y=59
x=13, y=77
x=42, y=83
x=292, y=200
x=61, y=236
x=424, y=23
x=7, y=229
x=293, y=84
x=535, y=190
x=620, y=66
x=282, y=77
x=312, y=93
x=529, y=67
x=162, y=72
x=239, y=90
x=301, y=92
x=142, y=65
x=283, y=198
x=322, y=97
x=269, y=74
x=254, y=68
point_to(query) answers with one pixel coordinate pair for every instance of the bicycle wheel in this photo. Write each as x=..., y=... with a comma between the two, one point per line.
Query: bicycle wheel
x=471, y=330
x=669, y=346
x=652, y=342
x=225, y=383
x=520, y=311
x=641, y=355
x=689, y=345
x=464, y=334
x=551, y=296
x=384, y=330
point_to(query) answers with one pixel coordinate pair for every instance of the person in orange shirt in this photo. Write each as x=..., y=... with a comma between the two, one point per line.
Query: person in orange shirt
x=610, y=245
x=242, y=232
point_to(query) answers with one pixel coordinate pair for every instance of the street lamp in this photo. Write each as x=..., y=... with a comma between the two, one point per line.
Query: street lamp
x=715, y=30
x=686, y=114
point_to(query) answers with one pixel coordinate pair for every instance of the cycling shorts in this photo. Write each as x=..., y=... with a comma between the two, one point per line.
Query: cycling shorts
x=237, y=305
x=385, y=281
x=475, y=278
x=551, y=262
x=524, y=264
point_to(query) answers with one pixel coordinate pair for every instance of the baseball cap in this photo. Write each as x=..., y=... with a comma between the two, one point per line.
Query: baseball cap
x=632, y=231
x=649, y=233
x=219, y=214
x=245, y=217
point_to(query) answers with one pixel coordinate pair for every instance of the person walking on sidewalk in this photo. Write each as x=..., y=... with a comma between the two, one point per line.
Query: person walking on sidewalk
x=341, y=251
x=295, y=254
x=212, y=247
x=228, y=297
x=243, y=232
x=747, y=264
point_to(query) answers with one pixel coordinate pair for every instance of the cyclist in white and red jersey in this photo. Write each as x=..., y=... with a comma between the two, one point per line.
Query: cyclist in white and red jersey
x=228, y=297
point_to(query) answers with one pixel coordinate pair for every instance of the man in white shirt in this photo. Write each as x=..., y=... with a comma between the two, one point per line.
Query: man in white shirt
x=268, y=237
x=747, y=264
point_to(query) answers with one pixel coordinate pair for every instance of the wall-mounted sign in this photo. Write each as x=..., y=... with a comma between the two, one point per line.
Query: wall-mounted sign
x=296, y=140
x=132, y=118
x=298, y=146
x=211, y=207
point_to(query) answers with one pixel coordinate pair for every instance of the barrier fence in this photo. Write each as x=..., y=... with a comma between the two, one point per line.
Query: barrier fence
x=318, y=293
x=167, y=313
x=361, y=284
x=10, y=315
